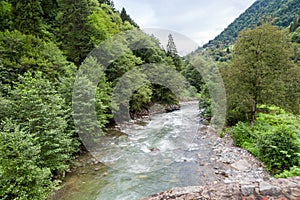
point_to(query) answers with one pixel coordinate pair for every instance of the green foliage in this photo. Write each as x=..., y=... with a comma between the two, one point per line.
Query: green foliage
x=279, y=149
x=27, y=17
x=274, y=139
x=141, y=99
x=284, y=12
x=22, y=53
x=294, y=171
x=38, y=109
x=91, y=78
x=193, y=76
x=260, y=62
x=122, y=65
x=5, y=15
x=72, y=32
x=205, y=103
x=125, y=17
x=241, y=133
x=102, y=24
x=22, y=176
x=171, y=47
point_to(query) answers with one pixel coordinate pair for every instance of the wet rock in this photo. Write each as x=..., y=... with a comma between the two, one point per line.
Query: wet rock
x=268, y=189
x=172, y=108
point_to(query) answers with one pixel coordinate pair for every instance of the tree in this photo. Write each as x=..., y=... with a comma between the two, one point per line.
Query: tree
x=21, y=53
x=107, y=2
x=171, y=47
x=73, y=29
x=21, y=176
x=125, y=17
x=27, y=15
x=5, y=15
x=261, y=57
x=102, y=24
x=39, y=110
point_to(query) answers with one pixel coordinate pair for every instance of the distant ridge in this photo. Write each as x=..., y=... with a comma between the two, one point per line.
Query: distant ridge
x=282, y=11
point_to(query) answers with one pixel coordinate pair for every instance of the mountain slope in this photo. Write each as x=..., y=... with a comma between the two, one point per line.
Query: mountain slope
x=282, y=11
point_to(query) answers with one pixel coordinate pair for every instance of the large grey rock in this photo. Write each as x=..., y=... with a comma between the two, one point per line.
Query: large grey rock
x=247, y=190
x=241, y=165
x=268, y=189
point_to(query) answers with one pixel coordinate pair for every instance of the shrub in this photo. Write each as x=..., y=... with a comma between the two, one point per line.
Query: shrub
x=279, y=149
x=241, y=133
x=294, y=171
x=20, y=176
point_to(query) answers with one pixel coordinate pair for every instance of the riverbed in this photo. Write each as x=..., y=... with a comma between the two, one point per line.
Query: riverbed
x=168, y=150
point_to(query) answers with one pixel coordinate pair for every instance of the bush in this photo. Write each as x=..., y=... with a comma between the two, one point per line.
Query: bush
x=241, y=133
x=279, y=149
x=20, y=176
x=39, y=109
x=294, y=171
x=274, y=139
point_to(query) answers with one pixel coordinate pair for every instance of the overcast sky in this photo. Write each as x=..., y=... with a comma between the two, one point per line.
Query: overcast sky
x=199, y=20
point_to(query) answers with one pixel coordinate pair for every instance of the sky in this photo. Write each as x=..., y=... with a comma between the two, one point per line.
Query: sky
x=198, y=20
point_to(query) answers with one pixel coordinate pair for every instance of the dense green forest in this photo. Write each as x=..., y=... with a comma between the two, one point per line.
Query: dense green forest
x=43, y=44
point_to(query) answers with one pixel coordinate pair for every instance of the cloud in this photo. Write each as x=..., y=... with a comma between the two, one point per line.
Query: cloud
x=200, y=20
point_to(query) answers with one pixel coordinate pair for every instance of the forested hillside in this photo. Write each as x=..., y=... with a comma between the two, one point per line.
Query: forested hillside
x=43, y=44
x=258, y=55
x=283, y=12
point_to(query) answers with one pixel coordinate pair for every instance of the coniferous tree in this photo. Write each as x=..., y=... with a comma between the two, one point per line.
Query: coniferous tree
x=5, y=15
x=125, y=17
x=73, y=29
x=171, y=47
x=27, y=16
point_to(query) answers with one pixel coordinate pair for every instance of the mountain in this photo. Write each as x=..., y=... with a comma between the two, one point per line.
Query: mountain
x=282, y=11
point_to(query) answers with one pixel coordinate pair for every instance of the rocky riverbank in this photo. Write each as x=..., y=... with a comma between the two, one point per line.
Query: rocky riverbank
x=240, y=176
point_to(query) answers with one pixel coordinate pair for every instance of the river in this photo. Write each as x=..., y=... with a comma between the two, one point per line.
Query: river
x=161, y=154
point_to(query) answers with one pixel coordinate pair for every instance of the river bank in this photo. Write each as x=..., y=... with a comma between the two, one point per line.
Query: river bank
x=164, y=151
x=240, y=176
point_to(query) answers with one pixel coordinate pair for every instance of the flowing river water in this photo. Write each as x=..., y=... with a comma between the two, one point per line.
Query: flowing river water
x=163, y=153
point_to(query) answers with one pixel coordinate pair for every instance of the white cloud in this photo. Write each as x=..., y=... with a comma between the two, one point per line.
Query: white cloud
x=200, y=20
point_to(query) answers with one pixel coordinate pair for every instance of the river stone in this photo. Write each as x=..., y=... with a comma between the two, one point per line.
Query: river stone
x=241, y=165
x=268, y=189
x=247, y=190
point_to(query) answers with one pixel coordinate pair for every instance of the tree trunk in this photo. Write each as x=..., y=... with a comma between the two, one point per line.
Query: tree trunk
x=253, y=114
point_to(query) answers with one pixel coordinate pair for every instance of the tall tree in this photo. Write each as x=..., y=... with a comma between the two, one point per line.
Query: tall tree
x=126, y=17
x=73, y=29
x=5, y=15
x=171, y=47
x=27, y=15
x=261, y=57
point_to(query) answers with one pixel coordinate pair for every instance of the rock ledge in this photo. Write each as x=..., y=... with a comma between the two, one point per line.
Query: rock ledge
x=281, y=189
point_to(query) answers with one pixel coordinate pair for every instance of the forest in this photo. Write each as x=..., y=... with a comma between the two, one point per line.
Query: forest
x=43, y=43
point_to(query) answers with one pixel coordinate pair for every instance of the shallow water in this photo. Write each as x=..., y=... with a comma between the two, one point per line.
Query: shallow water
x=158, y=156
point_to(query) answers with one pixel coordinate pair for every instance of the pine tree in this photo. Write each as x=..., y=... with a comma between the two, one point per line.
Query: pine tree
x=171, y=47
x=126, y=17
x=73, y=29
x=27, y=16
